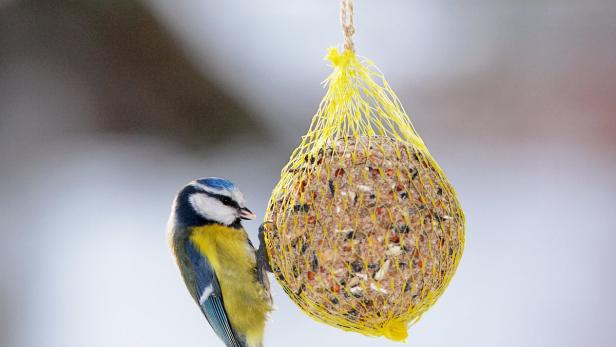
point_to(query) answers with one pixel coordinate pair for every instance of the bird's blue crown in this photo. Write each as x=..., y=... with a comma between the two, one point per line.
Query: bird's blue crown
x=218, y=183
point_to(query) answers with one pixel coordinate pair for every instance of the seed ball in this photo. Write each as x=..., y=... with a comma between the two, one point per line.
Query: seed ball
x=368, y=228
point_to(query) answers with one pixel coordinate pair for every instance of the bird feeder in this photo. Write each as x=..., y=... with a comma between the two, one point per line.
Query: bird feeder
x=363, y=231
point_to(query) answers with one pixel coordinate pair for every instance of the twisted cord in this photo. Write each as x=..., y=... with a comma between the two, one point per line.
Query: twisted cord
x=346, y=19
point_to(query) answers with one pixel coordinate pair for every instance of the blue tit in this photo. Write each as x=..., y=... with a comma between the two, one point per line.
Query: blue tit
x=218, y=262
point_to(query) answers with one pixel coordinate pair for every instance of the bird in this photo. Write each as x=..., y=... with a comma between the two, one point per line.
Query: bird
x=223, y=272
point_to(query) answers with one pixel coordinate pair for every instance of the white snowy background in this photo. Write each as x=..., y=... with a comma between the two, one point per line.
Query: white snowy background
x=515, y=99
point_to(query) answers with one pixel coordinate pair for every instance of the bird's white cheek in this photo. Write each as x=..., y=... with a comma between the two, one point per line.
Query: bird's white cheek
x=212, y=209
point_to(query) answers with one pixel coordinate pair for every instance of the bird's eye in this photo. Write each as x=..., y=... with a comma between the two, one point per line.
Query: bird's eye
x=227, y=200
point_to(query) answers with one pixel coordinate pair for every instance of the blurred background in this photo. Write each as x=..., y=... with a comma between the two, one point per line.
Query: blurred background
x=108, y=107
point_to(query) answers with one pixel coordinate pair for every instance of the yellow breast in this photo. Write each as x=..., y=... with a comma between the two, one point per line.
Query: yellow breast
x=234, y=261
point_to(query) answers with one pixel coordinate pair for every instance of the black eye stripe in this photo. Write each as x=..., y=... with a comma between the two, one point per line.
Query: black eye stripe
x=224, y=199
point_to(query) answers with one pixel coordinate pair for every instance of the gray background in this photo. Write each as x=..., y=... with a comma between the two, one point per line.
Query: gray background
x=108, y=107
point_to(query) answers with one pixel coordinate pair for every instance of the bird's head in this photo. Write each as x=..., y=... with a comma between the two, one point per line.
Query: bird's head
x=210, y=200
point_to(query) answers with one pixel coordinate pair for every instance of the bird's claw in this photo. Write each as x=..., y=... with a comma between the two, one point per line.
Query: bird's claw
x=262, y=255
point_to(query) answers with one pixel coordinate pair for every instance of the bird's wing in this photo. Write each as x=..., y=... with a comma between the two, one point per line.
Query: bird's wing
x=209, y=296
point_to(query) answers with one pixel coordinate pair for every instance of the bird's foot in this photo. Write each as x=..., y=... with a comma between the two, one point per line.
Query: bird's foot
x=262, y=255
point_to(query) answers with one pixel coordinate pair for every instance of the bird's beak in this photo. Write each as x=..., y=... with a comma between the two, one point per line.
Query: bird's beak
x=247, y=214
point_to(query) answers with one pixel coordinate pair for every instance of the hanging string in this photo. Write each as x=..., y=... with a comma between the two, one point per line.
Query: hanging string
x=346, y=19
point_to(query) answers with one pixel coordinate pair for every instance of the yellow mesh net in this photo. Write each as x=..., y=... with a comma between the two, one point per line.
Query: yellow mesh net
x=363, y=231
